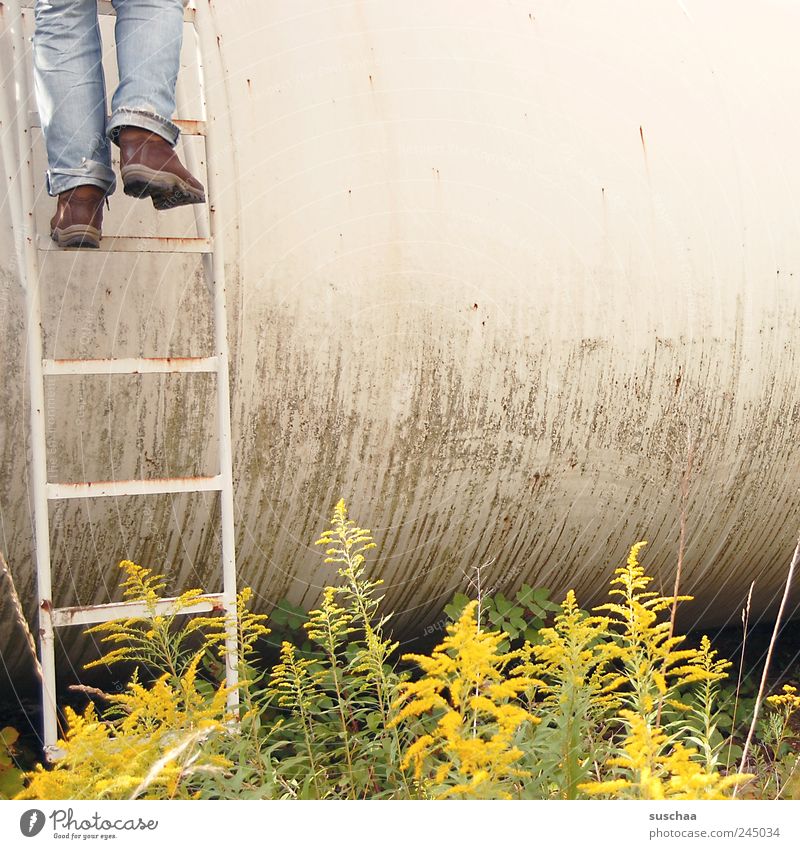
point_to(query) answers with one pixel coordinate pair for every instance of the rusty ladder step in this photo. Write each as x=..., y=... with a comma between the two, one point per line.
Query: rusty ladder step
x=96, y=613
x=132, y=365
x=188, y=127
x=138, y=245
x=153, y=486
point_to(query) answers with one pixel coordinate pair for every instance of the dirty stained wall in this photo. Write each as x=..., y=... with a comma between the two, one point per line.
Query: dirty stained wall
x=489, y=265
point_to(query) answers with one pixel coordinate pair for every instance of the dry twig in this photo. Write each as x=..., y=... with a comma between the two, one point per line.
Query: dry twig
x=772, y=641
x=19, y=615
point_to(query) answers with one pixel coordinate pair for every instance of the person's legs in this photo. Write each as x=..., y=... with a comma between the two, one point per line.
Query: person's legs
x=149, y=34
x=70, y=90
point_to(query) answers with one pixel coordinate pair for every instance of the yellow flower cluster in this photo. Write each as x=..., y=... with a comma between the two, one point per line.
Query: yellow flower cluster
x=152, y=737
x=650, y=769
x=653, y=666
x=291, y=679
x=788, y=700
x=347, y=541
x=574, y=655
x=146, y=754
x=470, y=749
x=329, y=625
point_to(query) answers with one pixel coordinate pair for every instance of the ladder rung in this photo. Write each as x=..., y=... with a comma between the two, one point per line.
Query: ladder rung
x=104, y=7
x=131, y=365
x=155, y=486
x=94, y=614
x=187, y=126
x=190, y=127
x=138, y=245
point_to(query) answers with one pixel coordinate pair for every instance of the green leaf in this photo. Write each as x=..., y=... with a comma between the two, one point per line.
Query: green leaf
x=10, y=783
x=531, y=634
x=502, y=604
x=518, y=623
x=459, y=602
x=8, y=736
x=374, y=721
x=279, y=616
x=724, y=720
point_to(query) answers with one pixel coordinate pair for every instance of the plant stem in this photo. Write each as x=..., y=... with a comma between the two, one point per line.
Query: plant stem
x=19, y=614
x=745, y=622
x=374, y=643
x=773, y=639
x=340, y=703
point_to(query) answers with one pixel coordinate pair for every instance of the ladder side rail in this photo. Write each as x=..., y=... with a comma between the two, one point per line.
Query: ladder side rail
x=211, y=82
x=33, y=323
x=192, y=163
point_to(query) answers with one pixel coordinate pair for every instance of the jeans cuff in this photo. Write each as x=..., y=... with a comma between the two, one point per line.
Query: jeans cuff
x=91, y=173
x=144, y=119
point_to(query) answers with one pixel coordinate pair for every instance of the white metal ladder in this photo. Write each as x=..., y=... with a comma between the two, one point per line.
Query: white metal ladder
x=18, y=164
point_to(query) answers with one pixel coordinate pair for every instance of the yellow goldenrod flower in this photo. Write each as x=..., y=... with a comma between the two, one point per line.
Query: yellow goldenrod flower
x=470, y=752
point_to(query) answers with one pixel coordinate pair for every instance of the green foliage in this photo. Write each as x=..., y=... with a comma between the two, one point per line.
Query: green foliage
x=336, y=707
x=287, y=622
x=578, y=685
x=520, y=619
x=775, y=755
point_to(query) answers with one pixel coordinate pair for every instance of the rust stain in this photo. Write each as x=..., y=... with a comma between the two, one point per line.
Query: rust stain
x=192, y=126
x=65, y=360
x=176, y=479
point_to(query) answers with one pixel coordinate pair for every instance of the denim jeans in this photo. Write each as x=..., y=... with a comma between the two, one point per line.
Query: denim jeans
x=70, y=85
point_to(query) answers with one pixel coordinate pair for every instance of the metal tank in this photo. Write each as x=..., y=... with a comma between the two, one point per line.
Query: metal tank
x=499, y=273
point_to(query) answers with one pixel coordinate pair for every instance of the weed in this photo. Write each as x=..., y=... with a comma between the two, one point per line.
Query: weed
x=521, y=698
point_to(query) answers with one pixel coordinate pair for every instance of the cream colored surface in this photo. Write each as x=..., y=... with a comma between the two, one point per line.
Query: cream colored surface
x=489, y=261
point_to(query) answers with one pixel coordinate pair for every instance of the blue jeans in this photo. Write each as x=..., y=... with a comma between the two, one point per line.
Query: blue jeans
x=70, y=85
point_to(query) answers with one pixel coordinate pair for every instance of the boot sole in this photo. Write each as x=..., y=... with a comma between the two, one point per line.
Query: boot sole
x=165, y=189
x=76, y=236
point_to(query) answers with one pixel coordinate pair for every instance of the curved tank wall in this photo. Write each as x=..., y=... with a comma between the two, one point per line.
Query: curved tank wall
x=489, y=264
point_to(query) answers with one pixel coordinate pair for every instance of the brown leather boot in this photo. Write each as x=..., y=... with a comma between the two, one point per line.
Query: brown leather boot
x=79, y=218
x=151, y=168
